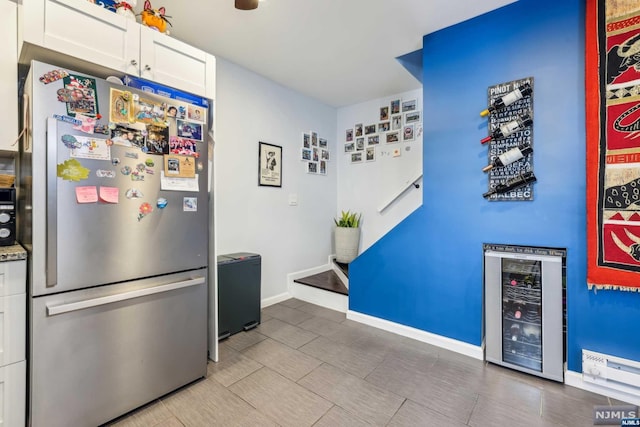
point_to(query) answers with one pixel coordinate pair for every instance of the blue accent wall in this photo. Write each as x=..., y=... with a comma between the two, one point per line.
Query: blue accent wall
x=412, y=62
x=427, y=272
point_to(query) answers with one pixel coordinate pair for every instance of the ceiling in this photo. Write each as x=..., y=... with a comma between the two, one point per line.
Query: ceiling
x=340, y=52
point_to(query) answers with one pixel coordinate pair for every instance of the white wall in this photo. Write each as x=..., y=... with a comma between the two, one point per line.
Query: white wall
x=249, y=109
x=365, y=187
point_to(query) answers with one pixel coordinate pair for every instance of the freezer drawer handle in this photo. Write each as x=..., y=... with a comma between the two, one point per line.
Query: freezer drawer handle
x=95, y=302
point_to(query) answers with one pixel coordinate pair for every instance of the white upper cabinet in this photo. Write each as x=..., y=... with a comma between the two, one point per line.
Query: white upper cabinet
x=9, y=77
x=82, y=30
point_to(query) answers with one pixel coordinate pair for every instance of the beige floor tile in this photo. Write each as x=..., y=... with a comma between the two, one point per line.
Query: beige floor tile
x=338, y=417
x=208, y=403
x=281, y=399
x=286, y=333
x=412, y=414
x=148, y=415
x=242, y=340
x=323, y=312
x=287, y=314
x=355, y=361
x=358, y=397
x=231, y=367
x=290, y=363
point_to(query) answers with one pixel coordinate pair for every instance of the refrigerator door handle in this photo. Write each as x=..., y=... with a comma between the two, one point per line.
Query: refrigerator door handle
x=52, y=202
x=53, y=310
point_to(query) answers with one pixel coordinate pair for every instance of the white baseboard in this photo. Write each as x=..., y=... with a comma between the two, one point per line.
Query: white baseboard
x=326, y=299
x=574, y=379
x=275, y=299
x=476, y=352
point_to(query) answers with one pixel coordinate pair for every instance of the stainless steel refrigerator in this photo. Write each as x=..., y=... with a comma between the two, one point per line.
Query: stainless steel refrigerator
x=117, y=238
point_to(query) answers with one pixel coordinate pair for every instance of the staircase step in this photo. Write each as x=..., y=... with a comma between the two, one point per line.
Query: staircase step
x=327, y=280
x=343, y=267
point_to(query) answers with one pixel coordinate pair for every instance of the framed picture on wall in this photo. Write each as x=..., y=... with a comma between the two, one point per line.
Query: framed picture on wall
x=269, y=165
x=412, y=117
x=384, y=113
x=395, y=106
x=409, y=105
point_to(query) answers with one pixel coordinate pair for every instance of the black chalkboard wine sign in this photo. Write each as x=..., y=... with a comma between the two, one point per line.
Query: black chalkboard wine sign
x=508, y=99
x=509, y=157
x=509, y=128
x=511, y=184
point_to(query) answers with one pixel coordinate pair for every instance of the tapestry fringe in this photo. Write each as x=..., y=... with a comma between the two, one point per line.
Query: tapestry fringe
x=595, y=288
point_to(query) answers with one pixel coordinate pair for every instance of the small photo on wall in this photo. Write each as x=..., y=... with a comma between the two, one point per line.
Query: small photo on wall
x=407, y=134
x=396, y=122
x=373, y=140
x=312, y=167
x=323, y=167
x=315, y=154
x=349, y=147
x=349, y=135
x=322, y=143
x=384, y=113
x=306, y=140
x=393, y=137
x=395, y=106
x=409, y=105
x=369, y=129
x=358, y=128
x=412, y=117
x=359, y=144
x=371, y=154
x=356, y=157
x=324, y=155
x=305, y=154
x=384, y=127
x=314, y=139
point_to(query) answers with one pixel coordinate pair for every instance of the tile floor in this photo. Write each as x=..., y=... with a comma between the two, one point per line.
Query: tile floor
x=309, y=366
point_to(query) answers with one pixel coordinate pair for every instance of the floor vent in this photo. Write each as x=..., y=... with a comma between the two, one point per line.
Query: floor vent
x=612, y=372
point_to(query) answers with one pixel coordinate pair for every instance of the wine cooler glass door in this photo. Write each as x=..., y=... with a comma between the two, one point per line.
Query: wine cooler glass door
x=522, y=313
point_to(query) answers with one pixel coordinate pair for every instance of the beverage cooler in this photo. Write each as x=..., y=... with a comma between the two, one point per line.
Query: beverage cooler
x=524, y=306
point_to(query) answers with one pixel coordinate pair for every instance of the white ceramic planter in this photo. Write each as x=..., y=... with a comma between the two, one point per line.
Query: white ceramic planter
x=347, y=244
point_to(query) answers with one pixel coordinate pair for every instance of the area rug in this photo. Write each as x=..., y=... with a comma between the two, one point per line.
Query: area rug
x=613, y=144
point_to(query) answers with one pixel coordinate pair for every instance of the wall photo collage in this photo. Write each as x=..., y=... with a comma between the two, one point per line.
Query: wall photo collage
x=398, y=122
x=315, y=153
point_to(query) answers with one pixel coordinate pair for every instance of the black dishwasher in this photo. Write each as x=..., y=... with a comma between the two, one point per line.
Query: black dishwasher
x=238, y=293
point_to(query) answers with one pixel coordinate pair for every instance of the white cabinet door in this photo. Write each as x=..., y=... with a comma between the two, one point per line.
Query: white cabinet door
x=13, y=277
x=171, y=62
x=80, y=29
x=13, y=314
x=13, y=379
x=9, y=73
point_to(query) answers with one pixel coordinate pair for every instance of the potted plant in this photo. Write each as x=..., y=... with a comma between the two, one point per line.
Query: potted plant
x=347, y=236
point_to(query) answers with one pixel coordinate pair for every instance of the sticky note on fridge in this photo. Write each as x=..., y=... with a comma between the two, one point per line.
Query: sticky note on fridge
x=109, y=194
x=87, y=194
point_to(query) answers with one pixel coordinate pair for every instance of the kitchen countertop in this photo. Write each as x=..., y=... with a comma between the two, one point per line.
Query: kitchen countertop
x=14, y=252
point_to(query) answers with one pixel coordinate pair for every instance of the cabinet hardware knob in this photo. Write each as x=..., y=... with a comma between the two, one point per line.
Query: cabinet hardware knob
x=147, y=68
x=134, y=62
